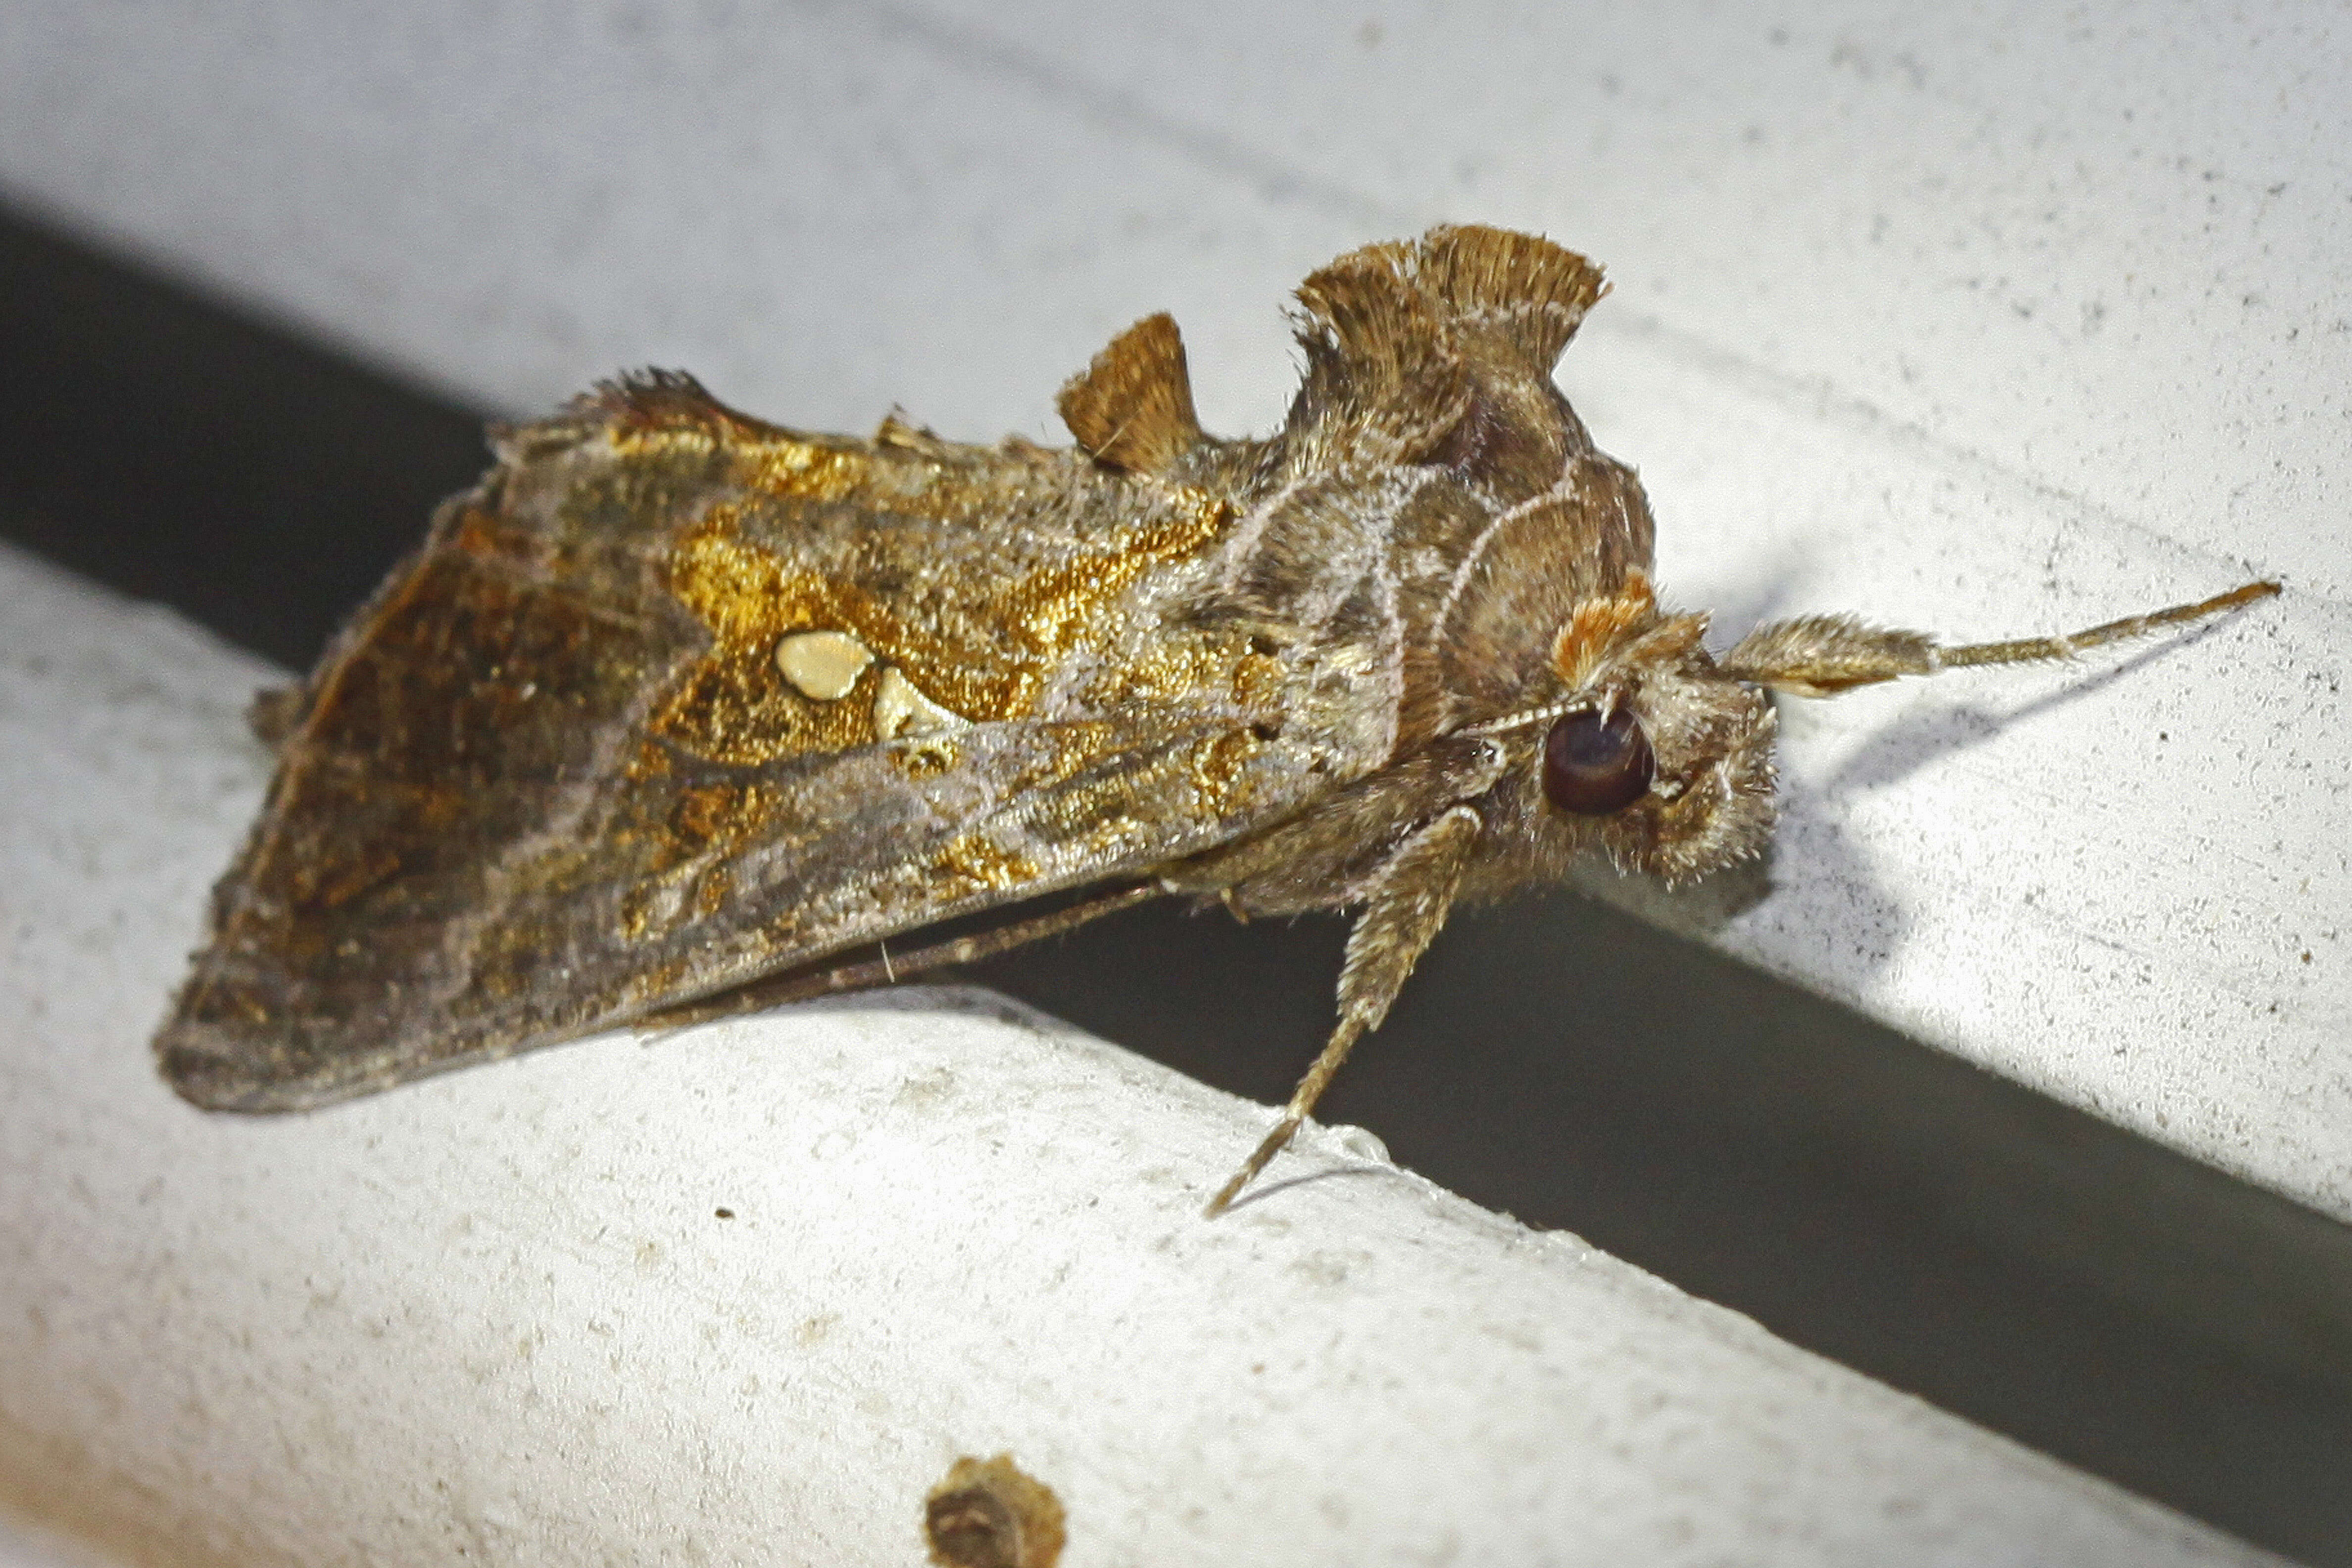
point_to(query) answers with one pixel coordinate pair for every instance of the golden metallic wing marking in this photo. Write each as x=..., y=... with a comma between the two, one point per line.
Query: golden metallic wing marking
x=675, y=700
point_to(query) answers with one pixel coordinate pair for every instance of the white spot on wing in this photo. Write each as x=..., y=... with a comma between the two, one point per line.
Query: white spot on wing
x=900, y=710
x=822, y=665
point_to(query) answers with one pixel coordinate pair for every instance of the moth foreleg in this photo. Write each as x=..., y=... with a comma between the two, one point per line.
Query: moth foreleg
x=1320, y=859
x=1402, y=912
x=1820, y=656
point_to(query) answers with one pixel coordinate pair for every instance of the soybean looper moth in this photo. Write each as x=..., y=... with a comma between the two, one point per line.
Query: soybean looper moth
x=677, y=709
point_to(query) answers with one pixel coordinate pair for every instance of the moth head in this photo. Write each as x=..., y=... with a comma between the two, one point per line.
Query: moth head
x=1648, y=752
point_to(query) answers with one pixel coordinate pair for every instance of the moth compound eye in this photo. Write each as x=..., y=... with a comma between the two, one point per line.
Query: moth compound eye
x=1593, y=765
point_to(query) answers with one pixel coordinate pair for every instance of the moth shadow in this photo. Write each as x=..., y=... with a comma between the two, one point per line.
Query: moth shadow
x=1906, y=745
x=1775, y=598
x=1266, y=1188
x=1699, y=910
x=1702, y=911
x=1734, y=610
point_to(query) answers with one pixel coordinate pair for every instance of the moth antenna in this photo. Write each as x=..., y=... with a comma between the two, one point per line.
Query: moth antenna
x=1820, y=656
x=2026, y=649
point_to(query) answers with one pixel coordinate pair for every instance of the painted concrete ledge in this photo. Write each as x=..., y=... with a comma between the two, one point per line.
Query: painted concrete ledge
x=742, y=1294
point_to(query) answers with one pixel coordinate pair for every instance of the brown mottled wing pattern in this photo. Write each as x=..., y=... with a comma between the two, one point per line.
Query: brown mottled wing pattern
x=675, y=699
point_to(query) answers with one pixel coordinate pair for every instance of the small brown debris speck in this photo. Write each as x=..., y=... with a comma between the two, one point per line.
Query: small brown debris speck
x=987, y=1514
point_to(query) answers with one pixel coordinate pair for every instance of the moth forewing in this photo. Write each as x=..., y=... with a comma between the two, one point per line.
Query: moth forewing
x=676, y=701
x=680, y=713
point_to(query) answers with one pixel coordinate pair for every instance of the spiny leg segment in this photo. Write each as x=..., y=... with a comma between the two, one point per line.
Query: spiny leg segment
x=1402, y=913
x=1294, y=1115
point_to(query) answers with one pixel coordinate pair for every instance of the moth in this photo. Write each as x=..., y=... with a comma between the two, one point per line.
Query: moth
x=679, y=712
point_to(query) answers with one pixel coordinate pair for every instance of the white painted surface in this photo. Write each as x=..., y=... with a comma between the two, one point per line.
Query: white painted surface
x=24, y=1544
x=498, y=1317
x=1973, y=317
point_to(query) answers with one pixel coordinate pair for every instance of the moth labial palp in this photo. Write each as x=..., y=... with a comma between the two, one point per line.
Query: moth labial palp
x=680, y=713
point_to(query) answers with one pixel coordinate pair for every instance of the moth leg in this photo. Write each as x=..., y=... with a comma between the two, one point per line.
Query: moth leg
x=888, y=970
x=1820, y=656
x=1322, y=857
x=1409, y=896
